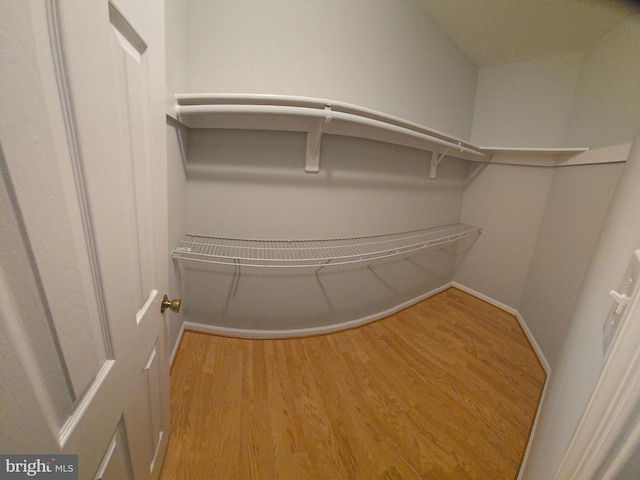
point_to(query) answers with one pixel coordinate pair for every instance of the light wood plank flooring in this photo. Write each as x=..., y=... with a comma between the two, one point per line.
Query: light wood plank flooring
x=446, y=389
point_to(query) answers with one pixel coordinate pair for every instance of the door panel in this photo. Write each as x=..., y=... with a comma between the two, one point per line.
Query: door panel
x=116, y=463
x=24, y=316
x=145, y=424
x=152, y=378
x=129, y=51
x=84, y=170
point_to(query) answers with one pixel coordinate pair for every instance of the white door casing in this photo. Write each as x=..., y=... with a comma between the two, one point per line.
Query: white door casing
x=83, y=253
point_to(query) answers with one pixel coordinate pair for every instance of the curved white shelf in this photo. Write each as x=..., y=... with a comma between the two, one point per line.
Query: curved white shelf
x=316, y=117
x=192, y=109
x=315, y=253
x=283, y=288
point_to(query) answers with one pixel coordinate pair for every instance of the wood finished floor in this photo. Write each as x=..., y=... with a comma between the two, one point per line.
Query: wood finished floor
x=446, y=389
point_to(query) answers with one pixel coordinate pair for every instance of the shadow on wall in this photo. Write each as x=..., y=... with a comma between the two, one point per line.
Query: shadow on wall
x=252, y=184
x=277, y=158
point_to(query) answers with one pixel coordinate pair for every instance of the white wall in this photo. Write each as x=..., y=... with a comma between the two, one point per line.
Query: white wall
x=606, y=107
x=388, y=55
x=525, y=104
x=575, y=211
x=508, y=202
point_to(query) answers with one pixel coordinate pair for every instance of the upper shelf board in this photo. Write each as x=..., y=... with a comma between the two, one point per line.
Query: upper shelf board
x=316, y=117
x=558, y=157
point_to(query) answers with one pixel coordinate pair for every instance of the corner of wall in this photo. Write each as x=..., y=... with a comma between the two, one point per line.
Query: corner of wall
x=607, y=100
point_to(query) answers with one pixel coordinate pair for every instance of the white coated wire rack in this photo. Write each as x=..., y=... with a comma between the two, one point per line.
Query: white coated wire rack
x=315, y=253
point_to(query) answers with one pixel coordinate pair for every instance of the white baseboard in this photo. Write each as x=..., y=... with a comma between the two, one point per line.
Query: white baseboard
x=525, y=457
x=262, y=334
x=515, y=313
x=174, y=351
x=308, y=332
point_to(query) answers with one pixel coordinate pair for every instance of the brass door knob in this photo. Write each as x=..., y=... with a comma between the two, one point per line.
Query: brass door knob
x=173, y=305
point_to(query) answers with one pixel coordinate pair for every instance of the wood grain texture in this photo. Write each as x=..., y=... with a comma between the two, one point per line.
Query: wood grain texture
x=446, y=389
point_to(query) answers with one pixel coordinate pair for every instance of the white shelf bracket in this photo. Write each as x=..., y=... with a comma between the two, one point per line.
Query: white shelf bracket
x=314, y=137
x=435, y=160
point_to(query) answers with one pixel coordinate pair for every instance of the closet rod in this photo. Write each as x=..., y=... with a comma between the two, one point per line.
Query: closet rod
x=318, y=103
x=334, y=116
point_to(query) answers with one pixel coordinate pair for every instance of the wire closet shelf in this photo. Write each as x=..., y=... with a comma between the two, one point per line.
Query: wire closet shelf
x=315, y=253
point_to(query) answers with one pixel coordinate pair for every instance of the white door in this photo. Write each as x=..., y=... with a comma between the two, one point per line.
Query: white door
x=83, y=252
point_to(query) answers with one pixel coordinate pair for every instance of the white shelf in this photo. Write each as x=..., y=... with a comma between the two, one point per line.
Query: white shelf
x=317, y=117
x=534, y=151
x=315, y=253
x=558, y=157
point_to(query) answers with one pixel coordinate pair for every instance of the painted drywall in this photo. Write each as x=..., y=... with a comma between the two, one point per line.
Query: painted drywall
x=606, y=105
x=525, y=104
x=575, y=211
x=508, y=202
x=176, y=47
x=387, y=55
x=582, y=356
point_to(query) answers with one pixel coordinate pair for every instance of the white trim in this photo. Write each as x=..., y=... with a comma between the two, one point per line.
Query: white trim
x=515, y=313
x=308, y=332
x=174, y=351
x=532, y=433
x=305, y=332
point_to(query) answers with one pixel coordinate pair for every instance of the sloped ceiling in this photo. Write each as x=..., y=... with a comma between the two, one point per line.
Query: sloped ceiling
x=495, y=32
